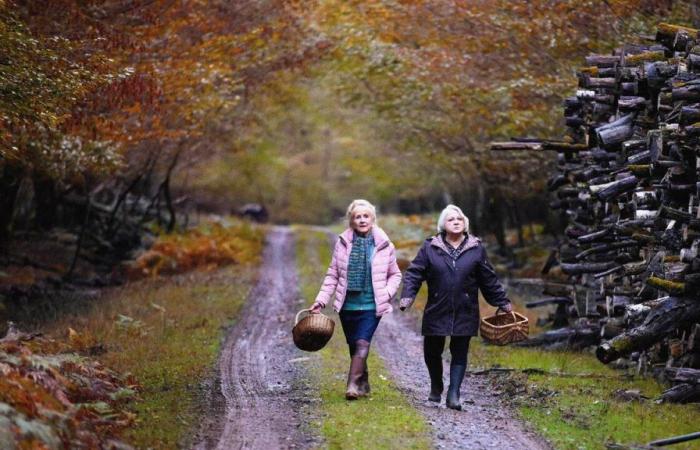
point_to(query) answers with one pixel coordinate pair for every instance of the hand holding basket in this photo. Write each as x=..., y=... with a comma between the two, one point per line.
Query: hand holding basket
x=505, y=328
x=313, y=332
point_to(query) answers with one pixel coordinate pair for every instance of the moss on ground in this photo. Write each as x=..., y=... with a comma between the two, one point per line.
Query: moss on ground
x=385, y=419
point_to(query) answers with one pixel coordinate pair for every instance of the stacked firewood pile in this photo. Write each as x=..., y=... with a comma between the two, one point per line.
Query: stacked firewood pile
x=628, y=184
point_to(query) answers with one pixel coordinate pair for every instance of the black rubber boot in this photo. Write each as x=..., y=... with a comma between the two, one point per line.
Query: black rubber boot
x=436, y=392
x=436, y=384
x=456, y=377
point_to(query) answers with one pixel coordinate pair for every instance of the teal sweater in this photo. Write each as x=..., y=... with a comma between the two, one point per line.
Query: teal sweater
x=362, y=301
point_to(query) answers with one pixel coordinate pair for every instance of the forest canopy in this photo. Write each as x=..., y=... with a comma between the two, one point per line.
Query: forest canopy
x=297, y=105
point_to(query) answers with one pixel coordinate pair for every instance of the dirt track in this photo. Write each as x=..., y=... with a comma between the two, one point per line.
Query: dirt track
x=483, y=423
x=261, y=398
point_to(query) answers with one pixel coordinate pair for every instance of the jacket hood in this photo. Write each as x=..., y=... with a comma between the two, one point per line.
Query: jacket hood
x=472, y=241
x=380, y=237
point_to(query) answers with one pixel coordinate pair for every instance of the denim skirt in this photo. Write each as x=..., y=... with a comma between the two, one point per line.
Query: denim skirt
x=359, y=324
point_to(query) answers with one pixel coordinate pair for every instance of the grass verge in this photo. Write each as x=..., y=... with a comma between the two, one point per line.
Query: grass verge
x=579, y=404
x=385, y=419
x=167, y=333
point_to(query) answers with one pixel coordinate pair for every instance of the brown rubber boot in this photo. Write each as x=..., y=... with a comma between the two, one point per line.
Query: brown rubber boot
x=358, y=367
x=357, y=364
x=363, y=386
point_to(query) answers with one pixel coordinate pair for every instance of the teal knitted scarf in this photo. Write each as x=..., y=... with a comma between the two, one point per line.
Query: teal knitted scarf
x=359, y=265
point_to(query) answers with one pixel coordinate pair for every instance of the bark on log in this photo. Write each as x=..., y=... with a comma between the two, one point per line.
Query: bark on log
x=666, y=212
x=574, y=338
x=671, y=314
x=630, y=103
x=683, y=375
x=648, y=56
x=672, y=287
x=601, y=248
x=589, y=82
x=681, y=393
x=618, y=188
x=666, y=33
x=689, y=92
x=602, y=60
x=594, y=237
x=581, y=268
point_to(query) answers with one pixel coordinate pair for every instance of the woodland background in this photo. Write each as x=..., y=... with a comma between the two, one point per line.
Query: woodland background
x=153, y=108
x=124, y=120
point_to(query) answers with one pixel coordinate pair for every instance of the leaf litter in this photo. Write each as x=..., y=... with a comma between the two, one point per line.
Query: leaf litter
x=52, y=397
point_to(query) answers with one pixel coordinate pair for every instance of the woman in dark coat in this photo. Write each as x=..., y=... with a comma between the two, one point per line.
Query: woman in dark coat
x=455, y=266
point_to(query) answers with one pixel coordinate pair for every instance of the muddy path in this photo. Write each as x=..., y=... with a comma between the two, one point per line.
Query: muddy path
x=261, y=398
x=485, y=422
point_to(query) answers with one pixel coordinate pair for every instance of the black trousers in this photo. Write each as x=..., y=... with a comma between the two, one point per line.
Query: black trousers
x=433, y=347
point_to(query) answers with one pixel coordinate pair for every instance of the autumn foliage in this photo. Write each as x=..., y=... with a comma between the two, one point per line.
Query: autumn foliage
x=205, y=248
x=142, y=98
x=51, y=397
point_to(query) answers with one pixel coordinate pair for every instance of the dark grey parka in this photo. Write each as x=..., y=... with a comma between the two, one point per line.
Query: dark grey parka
x=453, y=307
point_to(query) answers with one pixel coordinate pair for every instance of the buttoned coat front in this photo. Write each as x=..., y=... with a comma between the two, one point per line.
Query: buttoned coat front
x=452, y=308
x=386, y=275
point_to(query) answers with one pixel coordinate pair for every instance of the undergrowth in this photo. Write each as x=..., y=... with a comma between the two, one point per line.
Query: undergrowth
x=384, y=419
x=208, y=246
x=167, y=333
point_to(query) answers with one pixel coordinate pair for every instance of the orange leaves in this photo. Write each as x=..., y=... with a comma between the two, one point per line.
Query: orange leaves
x=204, y=248
x=54, y=399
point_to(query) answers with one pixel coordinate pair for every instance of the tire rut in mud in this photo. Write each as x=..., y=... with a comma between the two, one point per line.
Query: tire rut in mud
x=262, y=399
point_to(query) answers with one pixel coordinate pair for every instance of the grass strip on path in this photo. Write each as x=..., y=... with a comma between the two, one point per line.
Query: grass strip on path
x=167, y=332
x=385, y=419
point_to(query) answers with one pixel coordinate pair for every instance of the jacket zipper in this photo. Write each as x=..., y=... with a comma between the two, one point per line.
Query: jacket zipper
x=376, y=249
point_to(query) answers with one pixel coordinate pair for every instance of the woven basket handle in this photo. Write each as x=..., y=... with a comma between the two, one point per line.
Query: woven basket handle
x=515, y=319
x=296, y=319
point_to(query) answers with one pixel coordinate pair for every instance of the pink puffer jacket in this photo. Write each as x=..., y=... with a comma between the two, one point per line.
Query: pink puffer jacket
x=386, y=275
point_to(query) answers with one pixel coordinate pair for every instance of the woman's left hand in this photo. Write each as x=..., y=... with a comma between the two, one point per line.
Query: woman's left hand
x=508, y=307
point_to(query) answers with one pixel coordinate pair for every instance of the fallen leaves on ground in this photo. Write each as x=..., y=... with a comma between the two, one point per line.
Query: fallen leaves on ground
x=51, y=397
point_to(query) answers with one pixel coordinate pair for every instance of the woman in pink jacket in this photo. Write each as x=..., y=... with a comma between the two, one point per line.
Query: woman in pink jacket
x=363, y=277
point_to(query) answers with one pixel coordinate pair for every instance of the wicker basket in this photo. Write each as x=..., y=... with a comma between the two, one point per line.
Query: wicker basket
x=312, y=332
x=505, y=328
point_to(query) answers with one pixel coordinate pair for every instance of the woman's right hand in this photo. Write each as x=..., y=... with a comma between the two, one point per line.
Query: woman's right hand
x=316, y=308
x=405, y=303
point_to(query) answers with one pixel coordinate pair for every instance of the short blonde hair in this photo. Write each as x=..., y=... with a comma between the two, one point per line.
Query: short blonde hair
x=443, y=216
x=360, y=203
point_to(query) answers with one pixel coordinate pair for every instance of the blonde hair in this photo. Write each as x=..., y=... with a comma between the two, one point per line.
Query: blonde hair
x=360, y=203
x=443, y=216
